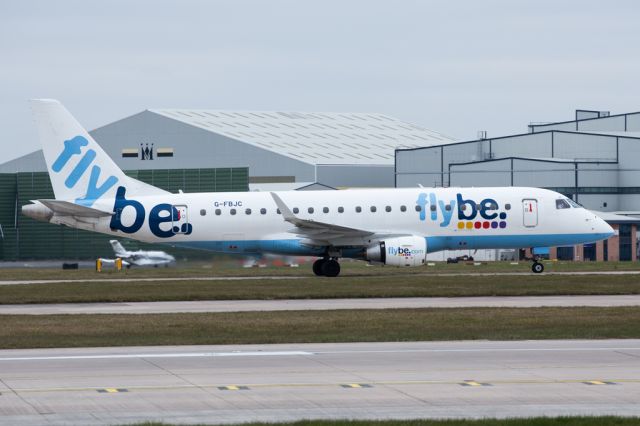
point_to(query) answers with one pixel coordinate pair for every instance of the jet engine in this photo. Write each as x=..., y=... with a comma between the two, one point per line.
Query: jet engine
x=399, y=251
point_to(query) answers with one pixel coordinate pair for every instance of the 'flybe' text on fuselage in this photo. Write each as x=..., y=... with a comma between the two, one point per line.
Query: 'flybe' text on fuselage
x=469, y=213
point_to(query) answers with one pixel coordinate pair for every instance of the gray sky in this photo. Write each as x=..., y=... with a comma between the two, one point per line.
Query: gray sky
x=451, y=66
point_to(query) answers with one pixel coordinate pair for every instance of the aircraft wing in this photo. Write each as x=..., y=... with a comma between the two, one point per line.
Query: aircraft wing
x=319, y=233
x=65, y=208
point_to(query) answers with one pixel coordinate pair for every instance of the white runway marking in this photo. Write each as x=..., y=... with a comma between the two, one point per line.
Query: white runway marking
x=159, y=355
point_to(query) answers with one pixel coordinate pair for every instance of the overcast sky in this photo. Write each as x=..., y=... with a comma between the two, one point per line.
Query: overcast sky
x=452, y=66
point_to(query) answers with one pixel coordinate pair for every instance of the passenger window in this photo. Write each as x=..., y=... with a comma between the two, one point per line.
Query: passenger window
x=448, y=207
x=203, y=212
x=387, y=209
x=463, y=207
x=232, y=211
x=433, y=207
x=296, y=210
x=340, y=209
x=358, y=209
x=310, y=210
x=325, y=209
x=247, y=211
x=562, y=204
x=278, y=211
x=218, y=212
x=478, y=207
x=507, y=206
x=418, y=208
x=373, y=209
x=403, y=208
x=263, y=211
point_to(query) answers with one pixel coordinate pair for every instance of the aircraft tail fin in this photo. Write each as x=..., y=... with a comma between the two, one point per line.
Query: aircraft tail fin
x=117, y=248
x=80, y=171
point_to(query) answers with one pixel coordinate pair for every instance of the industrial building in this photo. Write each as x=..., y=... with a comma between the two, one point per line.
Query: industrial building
x=208, y=151
x=594, y=159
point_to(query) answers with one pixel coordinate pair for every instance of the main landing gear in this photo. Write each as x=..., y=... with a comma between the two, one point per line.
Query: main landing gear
x=326, y=267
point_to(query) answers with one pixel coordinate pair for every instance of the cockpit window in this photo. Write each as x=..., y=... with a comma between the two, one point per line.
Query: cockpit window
x=574, y=204
x=562, y=204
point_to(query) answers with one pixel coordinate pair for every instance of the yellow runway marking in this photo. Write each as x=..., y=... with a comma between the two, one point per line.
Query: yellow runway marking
x=316, y=384
x=112, y=390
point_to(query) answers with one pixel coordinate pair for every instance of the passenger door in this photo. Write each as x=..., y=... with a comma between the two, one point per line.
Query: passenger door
x=530, y=212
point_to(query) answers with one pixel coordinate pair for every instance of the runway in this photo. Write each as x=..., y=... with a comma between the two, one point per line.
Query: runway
x=303, y=277
x=218, y=384
x=321, y=304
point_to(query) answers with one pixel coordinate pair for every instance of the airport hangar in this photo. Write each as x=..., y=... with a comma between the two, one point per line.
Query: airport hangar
x=594, y=159
x=212, y=151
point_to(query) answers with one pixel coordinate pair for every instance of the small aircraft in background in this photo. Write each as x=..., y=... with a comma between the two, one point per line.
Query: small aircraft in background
x=140, y=257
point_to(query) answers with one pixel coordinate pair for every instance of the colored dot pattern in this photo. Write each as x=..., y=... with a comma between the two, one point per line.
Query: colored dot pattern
x=479, y=224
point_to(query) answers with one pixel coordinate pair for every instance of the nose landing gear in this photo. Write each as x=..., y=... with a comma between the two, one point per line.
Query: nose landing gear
x=537, y=267
x=326, y=267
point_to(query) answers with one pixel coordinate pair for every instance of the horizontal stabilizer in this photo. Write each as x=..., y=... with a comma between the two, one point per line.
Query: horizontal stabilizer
x=66, y=208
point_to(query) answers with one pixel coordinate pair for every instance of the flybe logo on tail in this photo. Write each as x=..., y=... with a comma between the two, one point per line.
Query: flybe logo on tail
x=469, y=213
x=73, y=147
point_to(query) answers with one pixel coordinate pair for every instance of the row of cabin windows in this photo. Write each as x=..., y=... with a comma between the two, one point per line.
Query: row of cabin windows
x=358, y=209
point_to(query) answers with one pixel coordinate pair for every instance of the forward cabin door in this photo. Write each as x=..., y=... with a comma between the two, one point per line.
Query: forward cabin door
x=180, y=220
x=530, y=212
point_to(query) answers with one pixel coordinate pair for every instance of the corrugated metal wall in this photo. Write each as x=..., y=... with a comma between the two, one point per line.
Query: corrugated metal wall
x=25, y=238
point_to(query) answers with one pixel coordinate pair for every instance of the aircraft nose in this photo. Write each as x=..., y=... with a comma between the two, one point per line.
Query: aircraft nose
x=600, y=226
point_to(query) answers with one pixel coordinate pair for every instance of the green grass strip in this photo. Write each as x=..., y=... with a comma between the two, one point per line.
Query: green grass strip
x=314, y=288
x=26, y=331
x=537, y=421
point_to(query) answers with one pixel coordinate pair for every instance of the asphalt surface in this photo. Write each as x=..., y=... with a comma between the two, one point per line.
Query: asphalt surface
x=218, y=384
x=320, y=304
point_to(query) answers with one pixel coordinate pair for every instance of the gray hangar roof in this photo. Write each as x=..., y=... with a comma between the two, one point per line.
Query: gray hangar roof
x=314, y=138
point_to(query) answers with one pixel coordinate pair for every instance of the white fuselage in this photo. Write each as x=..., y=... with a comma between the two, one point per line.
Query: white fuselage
x=448, y=218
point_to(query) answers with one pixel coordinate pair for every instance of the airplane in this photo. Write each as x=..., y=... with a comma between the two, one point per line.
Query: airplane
x=140, y=257
x=394, y=226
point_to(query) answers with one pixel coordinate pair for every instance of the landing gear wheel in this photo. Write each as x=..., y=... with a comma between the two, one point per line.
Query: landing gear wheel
x=537, y=268
x=317, y=267
x=331, y=268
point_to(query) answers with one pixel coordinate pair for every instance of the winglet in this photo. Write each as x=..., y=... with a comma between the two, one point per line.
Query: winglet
x=287, y=214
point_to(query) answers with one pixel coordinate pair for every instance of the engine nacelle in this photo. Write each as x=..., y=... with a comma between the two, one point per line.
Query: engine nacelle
x=400, y=251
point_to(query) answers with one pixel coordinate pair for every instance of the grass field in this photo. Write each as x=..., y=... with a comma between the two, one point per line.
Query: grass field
x=314, y=287
x=349, y=269
x=25, y=331
x=540, y=421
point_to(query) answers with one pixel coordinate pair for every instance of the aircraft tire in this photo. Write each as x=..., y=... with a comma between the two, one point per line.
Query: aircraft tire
x=537, y=268
x=331, y=268
x=317, y=267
